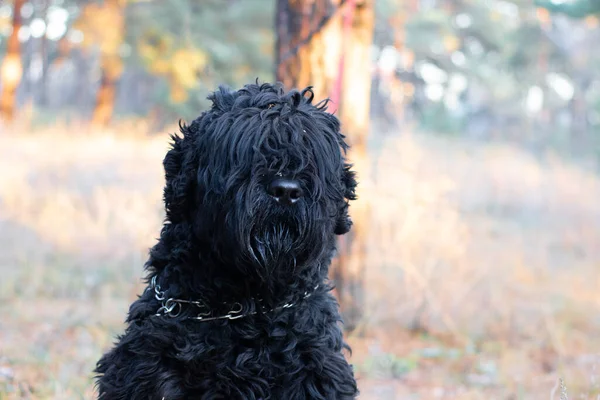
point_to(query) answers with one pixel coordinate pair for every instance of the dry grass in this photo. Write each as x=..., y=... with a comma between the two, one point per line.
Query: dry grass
x=482, y=266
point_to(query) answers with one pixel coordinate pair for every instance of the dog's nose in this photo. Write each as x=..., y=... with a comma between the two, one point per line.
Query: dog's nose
x=285, y=191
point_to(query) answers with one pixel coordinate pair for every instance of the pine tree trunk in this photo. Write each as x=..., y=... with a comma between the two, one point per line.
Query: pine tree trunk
x=355, y=99
x=111, y=67
x=312, y=62
x=12, y=68
x=105, y=99
x=355, y=116
x=42, y=98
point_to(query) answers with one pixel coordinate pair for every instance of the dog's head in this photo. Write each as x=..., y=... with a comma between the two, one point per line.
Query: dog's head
x=261, y=180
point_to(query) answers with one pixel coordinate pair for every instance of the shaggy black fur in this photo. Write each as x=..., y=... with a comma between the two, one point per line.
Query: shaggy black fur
x=226, y=240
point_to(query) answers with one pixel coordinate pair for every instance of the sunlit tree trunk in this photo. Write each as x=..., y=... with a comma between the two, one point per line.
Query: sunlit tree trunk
x=111, y=65
x=355, y=108
x=44, y=54
x=307, y=54
x=405, y=9
x=11, y=70
x=356, y=89
x=105, y=98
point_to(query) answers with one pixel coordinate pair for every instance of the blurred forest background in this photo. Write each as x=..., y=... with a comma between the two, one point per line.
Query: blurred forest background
x=473, y=271
x=484, y=69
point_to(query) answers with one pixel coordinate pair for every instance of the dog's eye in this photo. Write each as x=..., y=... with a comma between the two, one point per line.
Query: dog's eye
x=262, y=175
x=271, y=105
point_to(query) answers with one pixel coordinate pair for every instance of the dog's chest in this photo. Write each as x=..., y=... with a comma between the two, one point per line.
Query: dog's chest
x=256, y=362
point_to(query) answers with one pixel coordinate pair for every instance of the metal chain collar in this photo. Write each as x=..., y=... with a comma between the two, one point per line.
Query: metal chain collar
x=172, y=307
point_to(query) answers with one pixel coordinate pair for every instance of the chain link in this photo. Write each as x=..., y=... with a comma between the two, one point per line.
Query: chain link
x=172, y=307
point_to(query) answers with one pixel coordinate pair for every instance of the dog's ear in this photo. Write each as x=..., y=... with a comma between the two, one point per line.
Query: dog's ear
x=344, y=222
x=349, y=181
x=177, y=176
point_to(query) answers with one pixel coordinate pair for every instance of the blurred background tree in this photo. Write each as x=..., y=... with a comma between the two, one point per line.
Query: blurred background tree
x=11, y=68
x=100, y=60
x=309, y=44
x=102, y=27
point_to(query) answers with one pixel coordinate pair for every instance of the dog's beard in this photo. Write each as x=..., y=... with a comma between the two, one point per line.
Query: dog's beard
x=280, y=242
x=274, y=248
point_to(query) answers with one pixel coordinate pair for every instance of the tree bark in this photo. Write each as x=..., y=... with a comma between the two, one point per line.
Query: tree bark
x=105, y=100
x=308, y=44
x=355, y=99
x=111, y=65
x=12, y=67
x=355, y=116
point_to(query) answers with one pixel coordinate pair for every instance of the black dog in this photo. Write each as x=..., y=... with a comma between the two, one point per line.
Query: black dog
x=238, y=305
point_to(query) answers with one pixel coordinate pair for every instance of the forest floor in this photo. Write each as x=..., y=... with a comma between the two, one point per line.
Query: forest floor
x=482, y=268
